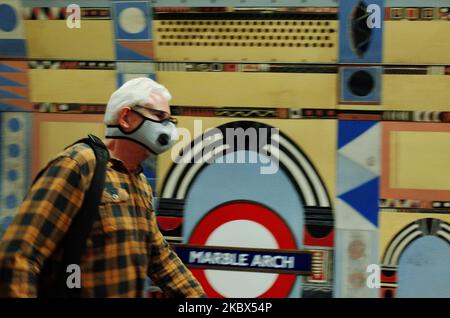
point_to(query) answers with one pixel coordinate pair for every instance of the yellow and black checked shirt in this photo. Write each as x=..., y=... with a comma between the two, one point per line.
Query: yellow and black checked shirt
x=124, y=247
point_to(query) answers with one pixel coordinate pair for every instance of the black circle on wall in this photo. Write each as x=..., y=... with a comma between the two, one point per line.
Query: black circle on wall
x=361, y=83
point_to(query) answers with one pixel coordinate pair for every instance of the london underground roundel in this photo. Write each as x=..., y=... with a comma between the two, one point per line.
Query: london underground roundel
x=244, y=224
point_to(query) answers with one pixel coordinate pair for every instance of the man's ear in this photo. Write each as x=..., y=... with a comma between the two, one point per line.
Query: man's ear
x=123, y=118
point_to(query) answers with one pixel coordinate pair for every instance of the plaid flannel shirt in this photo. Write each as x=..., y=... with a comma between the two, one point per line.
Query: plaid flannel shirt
x=124, y=247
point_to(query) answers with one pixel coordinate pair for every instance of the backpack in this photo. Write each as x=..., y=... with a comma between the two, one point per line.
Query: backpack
x=52, y=281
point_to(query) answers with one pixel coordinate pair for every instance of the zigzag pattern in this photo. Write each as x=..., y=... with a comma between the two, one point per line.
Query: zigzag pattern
x=14, y=92
x=60, y=13
x=71, y=65
x=44, y=13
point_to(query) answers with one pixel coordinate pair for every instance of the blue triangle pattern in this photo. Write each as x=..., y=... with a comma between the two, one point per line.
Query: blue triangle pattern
x=351, y=129
x=351, y=174
x=364, y=199
x=5, y=94
x=9, y=107
x=124, y=53
x=8, y=69
x=7, y=82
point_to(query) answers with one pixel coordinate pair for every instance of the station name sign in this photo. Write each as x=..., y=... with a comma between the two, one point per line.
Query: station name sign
x=245, y=259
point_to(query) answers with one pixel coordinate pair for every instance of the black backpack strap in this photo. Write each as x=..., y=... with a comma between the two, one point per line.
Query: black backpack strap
x=75, y=239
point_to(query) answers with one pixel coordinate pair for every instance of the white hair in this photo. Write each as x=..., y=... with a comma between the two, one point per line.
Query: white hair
x=137, y=91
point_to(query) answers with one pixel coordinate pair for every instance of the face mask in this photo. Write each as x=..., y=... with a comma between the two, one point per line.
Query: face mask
x=156, y=136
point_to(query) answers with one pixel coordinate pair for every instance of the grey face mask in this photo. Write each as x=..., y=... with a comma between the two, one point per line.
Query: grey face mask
x=156, y=136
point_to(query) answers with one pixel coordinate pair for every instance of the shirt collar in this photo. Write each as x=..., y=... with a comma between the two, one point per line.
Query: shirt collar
x=118, y=165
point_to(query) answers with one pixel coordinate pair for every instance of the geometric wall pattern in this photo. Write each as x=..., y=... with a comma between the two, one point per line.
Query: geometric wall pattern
x=361, y=43
x=12, y=42
x=436, y=233
x=14, y=86
x=132, y=26
x=15, y=162
x=304, y=206
x=358, y=170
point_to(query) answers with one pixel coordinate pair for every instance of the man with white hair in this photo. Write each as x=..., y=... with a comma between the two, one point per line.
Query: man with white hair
x=124, y=245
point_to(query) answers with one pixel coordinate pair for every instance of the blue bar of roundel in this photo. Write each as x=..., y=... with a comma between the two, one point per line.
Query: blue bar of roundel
x=303, y=260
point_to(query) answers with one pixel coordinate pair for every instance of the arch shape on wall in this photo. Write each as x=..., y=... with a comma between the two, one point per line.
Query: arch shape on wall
x=419, y=228
x=292, y=160
x=403, y=239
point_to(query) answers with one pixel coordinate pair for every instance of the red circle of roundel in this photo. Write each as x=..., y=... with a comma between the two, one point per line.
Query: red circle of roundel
x=251, y=211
